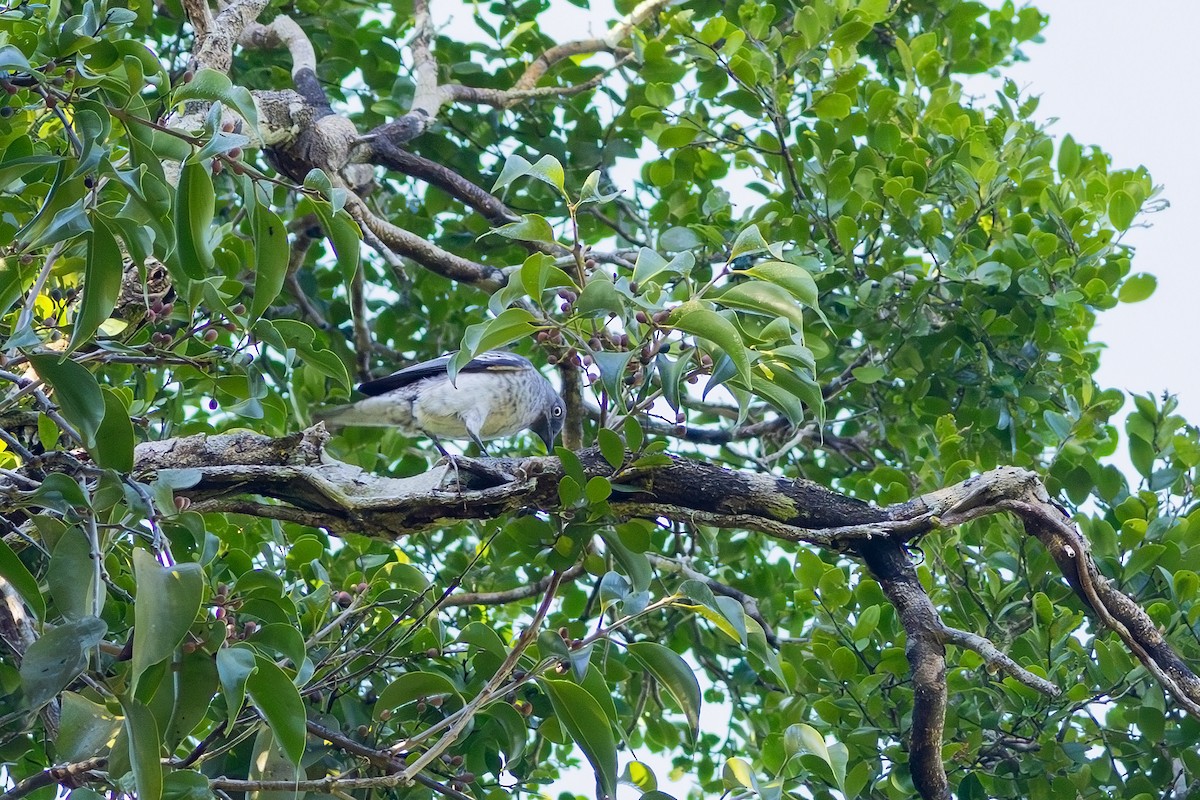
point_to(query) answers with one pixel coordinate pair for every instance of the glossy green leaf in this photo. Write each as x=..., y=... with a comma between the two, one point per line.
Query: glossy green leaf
x=76, y=392
x=1122, y=208
x=14, y=571
x=195, y=683
x=57, y=658
x=412, y=686
x=115, y=438
x=764, y=298
x=86, y=729
x=611, y=447
x=234, y=667
x=673, y=674
x=71, y=576
x=168, y=600
x=514, y=167
x=276, y=697
x=215, y=86
x=581, y=716
x=748, y=242
x=792, y=277
x=531, y=228
x=195, y=203
x=103, y=271
x=141, y=732
x=270, y=259
x=1137, y=288
x=511, y=325
x=548, y=170
x=718, y=330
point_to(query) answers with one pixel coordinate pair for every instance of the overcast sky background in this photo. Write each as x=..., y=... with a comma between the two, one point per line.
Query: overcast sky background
x=1119, y=75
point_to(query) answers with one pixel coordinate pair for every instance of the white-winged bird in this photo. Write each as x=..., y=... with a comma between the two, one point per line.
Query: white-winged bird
x=495, y=394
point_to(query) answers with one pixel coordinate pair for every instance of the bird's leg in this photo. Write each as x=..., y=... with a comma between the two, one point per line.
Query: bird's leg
x=451, y=461
x=438, y=445
x=478, y=442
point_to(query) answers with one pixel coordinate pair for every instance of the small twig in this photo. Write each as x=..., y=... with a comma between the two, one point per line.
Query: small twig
x=25, y=318
x=499, y=598
x=996, y=659
x=54, y=775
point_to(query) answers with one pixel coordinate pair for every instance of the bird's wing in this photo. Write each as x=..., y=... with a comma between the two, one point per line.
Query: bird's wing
x=491, y=361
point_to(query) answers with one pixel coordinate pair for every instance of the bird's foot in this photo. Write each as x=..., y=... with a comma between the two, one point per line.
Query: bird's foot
x=478, y=474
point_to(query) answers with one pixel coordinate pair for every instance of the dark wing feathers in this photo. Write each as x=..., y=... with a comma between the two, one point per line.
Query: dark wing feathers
x=434, y=367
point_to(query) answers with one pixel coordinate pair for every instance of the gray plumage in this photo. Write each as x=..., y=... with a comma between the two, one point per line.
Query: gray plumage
x=495, y=394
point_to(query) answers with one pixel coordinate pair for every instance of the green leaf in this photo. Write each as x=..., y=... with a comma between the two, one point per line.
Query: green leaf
x=763, y=298
x=195, y=203
x=102, y=275
x=13, y=60
x=794, y=278
x=549, y=170
x=115, y=438
x=749, y=241
x=512, y=728
x=269, y=762
x=831, y=106
x=590, y=191
x=612, y=370
x=412, y=686
x=511, y=325
x=168, y=600
x=531, y=228
x=235, y=665
x=712, y=326
x=76, y=392
x=141, y=731
x=214, y=86
x=13, y=570
x=1137, y=288
x=581, y=717
x=514, y=167
x=57, y=658
x=738, y=774
x=611, y=447
x=271, y=254
x=195, y=684
x=871, y=373
x=600, y=296
x=86, y=729
x=1122, y=208
x=1068, y=157
x=672, y=673
x=670, y=374
x=276, y=697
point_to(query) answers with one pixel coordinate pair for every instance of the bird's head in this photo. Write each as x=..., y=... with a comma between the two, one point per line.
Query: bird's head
x=550, y=422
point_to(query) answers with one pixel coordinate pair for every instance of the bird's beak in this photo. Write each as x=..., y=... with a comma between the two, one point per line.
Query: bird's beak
x=546, y=432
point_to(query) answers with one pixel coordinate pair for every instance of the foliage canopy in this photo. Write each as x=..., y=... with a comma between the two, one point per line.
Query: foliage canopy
x=798, y=287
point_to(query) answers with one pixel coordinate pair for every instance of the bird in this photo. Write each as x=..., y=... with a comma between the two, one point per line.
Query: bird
x=495, y=394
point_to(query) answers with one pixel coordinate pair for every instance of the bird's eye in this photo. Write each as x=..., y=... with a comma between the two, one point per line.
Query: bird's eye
x=557, y=411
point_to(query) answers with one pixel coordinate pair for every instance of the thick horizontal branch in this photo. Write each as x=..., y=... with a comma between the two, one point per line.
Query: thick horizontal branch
x=293, y=470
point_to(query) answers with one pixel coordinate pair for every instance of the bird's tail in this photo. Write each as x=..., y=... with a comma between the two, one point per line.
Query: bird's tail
x=334, y=417
x=376, y=412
